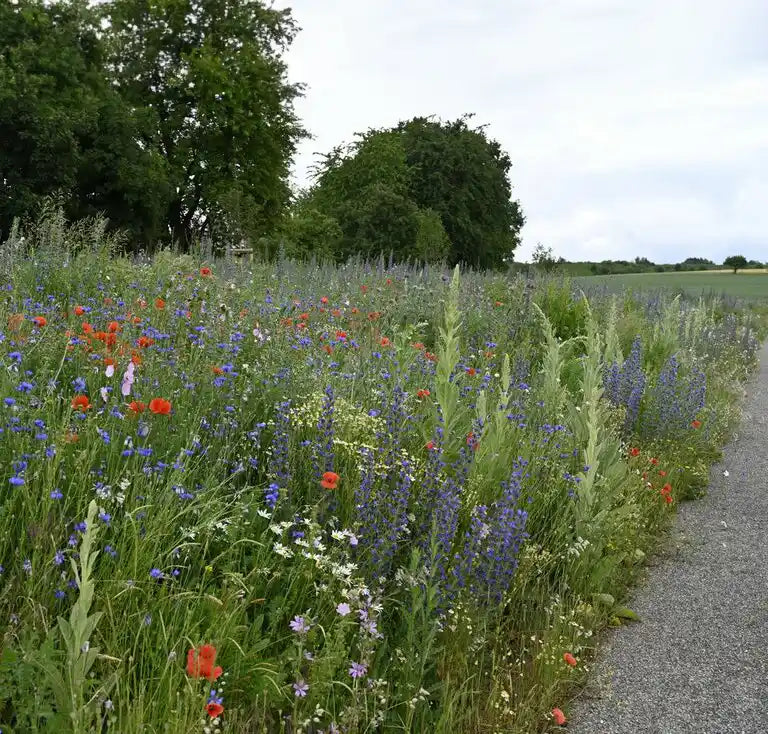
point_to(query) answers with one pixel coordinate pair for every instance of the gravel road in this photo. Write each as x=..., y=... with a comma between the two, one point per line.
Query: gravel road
x=698, y=661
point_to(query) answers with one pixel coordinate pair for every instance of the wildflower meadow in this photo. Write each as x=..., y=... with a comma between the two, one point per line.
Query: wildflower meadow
x=297, y=497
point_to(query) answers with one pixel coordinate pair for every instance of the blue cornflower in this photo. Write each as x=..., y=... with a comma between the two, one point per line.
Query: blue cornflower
x=156, y=573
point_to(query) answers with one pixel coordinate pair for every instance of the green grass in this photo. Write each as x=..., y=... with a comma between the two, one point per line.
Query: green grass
x=489, y=509
x=746, y=285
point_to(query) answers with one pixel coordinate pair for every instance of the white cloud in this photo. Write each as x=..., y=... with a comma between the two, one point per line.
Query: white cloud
x=634, y=128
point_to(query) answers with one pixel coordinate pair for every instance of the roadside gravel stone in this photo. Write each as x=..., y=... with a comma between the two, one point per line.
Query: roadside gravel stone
x=697, y=663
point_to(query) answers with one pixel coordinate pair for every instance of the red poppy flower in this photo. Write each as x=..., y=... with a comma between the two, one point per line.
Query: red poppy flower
x=422, y=394
x=430, y=356
x=695, y=424
x=136, y=359
x=136, y=406
x=144, y=341
x=214, y=709
x=498, y=303
x=417, y=345
x=160, y=406
x=205, y=272
x=79, y=310
x=87, y=328
x=329, y=480
x=81, y=403
x=324, y=299
x=559, y=717
x=385, y=342
x=201, y=663
x=303, y=316
x=335, y=313
x=471, y=371
x=634, y=452
x=159, y=303
x=341, y=335
x=40, y=321
x=430, y=446
x=569, y=659
x=113, y=327
x=655, y=462
x=363, y=288
x=327, y=348
x=662, y=473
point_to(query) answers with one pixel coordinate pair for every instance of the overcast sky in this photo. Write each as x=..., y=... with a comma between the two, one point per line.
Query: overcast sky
x=634, y=128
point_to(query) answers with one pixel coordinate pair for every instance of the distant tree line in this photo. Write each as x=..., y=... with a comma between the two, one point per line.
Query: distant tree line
x=544, y=260
x=175, y=120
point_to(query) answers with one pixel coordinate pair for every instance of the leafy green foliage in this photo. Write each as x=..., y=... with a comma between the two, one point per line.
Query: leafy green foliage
x=735, y=262
x=423, y=189
x=172, y=119
x=64, y=130
x=309, y=232
x=212, y=86
x=464, y=176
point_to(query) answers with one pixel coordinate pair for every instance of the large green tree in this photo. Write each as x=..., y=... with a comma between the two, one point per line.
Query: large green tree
x=425, y=189
x=210, y=81
x=64, y=131
x=463, y=175
x=735, y=262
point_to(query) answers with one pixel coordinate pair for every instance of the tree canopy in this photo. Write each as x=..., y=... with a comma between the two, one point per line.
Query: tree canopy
x=735, y=262
x=175, y=119
x=425, y=189
x=65, y=131
x=171, y=117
